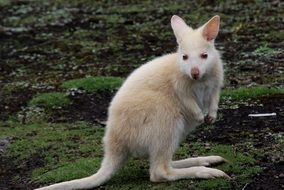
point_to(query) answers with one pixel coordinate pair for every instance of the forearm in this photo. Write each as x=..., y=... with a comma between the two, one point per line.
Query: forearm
x=213, y=106
x=193, y=110
x=214, y=101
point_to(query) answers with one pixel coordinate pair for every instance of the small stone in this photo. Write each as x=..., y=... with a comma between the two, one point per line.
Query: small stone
x=4, y=142
x=3, y=145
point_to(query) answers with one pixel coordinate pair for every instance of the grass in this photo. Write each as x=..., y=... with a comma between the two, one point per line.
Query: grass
x=244, y=93
x=264, y=49
x=62, y=141
x=134, y=175
x=4, y=3
x=241, y=167
x=50, y=100
x=72, y=151
x=94, y=84
x=69, y=170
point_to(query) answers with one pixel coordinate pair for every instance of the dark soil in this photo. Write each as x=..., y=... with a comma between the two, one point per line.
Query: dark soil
x=236, y=128
x=85, y=107
x=15, y=176
x=272, y=178
x=12, y=103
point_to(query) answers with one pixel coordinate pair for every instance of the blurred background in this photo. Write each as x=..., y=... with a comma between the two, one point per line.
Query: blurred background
x=46, y=42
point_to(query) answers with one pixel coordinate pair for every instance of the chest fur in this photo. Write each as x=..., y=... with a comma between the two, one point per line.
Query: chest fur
x=202, y=92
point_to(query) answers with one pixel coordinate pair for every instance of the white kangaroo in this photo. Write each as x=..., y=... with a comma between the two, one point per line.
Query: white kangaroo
x=158, y=105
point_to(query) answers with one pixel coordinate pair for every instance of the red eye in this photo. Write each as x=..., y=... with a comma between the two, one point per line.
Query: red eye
x=204, y=55
x=184, y=57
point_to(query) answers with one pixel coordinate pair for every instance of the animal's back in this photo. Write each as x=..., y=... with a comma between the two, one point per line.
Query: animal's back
x=147, y=86
x=145, y=105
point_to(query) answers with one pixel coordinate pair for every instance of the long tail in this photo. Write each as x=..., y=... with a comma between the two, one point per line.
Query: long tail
x=108, y=168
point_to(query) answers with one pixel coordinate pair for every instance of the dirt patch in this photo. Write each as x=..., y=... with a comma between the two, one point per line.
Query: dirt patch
x=85, y=107
x=236, y=126
x=12, y=103
x=263, y=135
x=16, y=176
x=271, y=178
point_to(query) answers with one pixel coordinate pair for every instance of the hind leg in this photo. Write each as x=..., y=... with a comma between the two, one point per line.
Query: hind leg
x=163, y=171
x=198, y=161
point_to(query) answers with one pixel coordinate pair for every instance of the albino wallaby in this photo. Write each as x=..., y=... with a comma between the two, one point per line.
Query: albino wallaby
x=158, y=105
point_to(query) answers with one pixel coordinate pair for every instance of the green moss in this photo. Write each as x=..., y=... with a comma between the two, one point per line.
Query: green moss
x=78, y=169
x=134, y=175
x=244, y=93
x=4, y=3
x=62, y=147
x=94, y=84
x=264, y=49
x=242, y=166
x=274, y=36
x=50, y=100
x=72, y=151
x=217, y=183
x=56, y=143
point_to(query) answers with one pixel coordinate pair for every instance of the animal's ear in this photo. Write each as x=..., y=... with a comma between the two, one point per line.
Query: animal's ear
x=178, y=26
x=211, y=28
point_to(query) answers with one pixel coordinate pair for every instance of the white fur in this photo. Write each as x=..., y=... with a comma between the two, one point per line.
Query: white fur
x=158, y=105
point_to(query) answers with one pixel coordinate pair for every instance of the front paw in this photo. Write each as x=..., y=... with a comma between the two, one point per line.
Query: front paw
x=210, y=119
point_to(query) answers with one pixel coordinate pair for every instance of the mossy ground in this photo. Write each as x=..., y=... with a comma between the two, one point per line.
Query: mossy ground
x=94, y=84
x=49, y=50
x=243, y=94
x=50, y=100
x=71, y=151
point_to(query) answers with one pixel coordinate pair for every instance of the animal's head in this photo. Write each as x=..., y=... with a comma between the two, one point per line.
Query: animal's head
x=196, y=50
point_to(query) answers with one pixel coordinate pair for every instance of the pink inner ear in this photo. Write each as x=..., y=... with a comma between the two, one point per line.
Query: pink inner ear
x=211, y=29
x=179, y=27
